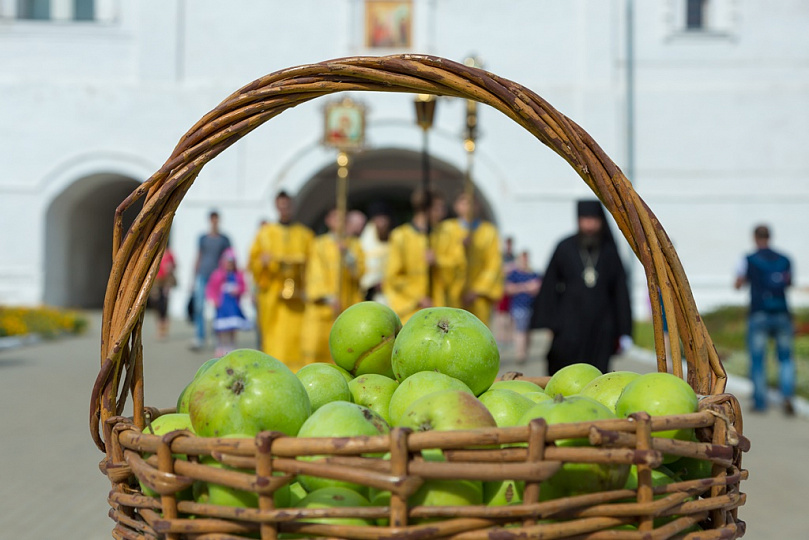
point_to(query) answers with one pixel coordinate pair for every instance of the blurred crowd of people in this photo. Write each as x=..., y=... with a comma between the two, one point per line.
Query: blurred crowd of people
x=303, y=282
x=299, y=282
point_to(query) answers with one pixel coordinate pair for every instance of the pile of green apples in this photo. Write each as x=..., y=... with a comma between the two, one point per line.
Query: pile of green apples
x=437, y=372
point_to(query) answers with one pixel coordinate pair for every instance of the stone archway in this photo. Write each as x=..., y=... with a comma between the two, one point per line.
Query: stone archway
x=383, y=174
x=78, y=239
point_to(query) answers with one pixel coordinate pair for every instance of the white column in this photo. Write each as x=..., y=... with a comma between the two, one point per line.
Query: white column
x=107, y=11
x=8, y=9
x=61, y=10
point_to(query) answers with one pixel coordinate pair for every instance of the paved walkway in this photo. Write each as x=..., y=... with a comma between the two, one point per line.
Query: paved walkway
x=50, y=486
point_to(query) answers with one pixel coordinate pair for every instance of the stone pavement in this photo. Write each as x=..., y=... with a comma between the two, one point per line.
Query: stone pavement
x=51, y=488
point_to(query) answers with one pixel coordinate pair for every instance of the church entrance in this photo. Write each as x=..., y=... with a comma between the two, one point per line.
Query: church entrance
x=388, y=175
x=78, y=239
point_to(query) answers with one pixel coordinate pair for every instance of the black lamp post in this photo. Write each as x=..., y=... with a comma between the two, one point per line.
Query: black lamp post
x=470, y=143
x=425, y=113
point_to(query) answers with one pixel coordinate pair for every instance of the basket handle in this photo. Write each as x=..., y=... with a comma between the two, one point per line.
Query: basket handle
x=136, y=253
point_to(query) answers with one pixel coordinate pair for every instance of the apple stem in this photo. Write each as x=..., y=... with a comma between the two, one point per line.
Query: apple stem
x=443, y=324
x=558, y=398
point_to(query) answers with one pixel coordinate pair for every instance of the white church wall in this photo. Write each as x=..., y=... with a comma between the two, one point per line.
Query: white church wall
x=720, y=117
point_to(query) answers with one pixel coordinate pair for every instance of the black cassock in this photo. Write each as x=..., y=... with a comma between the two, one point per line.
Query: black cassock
x=586, y=321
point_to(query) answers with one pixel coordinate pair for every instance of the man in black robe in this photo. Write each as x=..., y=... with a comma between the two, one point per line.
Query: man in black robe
x=584, y=299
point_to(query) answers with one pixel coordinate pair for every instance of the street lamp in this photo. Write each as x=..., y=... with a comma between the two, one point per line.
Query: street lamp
x=470, y=142
x=425, y=113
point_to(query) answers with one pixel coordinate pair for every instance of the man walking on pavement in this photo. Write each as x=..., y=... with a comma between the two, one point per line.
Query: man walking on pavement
x=768, y=273
x=211, y=246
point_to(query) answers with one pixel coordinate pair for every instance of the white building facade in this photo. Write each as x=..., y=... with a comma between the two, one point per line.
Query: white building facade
x=95, y=94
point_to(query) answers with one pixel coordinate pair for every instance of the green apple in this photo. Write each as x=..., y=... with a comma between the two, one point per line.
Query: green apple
x=659, y=394
x=571, y=379
x=335, y=497
x=516, y=385
x=296, y=493
x=339, y=419
x=247, y=392
x=221, y=495
x=362, y=337
x=163, y=425
x=660, y=477
x=419, y=385
x=607, y=388
x=445, y=492
x=374, y=391
x=689, y=468
x=506, y=406
x=578, y=478
x=448, y=340
x=537, y=397
x=166, y=423
x=502, y=493
x=346, y=375
x=447, y=410
x=185, y=395
x=381, y=498
x=323, y=384
x=549, y=492
x=435, y=492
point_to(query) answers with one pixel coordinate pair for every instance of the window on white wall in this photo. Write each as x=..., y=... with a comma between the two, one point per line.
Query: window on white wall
x=695, y=14
x=701, y=18
x=53, y=10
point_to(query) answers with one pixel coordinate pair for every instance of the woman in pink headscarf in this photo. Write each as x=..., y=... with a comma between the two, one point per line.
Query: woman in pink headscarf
x=225, y=288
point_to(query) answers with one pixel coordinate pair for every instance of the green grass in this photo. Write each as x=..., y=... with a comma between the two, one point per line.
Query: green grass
x=727, y=327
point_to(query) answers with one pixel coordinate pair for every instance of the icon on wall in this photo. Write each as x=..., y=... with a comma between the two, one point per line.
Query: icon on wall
x=345, y=125
x=388, y=24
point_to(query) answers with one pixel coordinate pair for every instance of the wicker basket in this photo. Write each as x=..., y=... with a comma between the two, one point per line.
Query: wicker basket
x=270, y=459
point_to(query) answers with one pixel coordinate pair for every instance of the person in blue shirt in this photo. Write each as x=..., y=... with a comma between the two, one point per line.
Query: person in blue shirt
x=522, y=285
x=211, y=246
x=769, y=274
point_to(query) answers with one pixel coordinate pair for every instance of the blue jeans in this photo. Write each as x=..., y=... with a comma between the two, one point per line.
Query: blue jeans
x=199, y=308
x=778, y=326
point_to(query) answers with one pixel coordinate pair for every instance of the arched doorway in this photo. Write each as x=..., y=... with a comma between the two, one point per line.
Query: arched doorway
x=384, y=174
x=78, y=239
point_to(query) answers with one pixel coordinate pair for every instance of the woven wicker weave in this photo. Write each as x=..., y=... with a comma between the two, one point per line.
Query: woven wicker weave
x=137, y=251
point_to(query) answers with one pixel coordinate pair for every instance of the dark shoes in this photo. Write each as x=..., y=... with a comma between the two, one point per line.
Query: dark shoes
x=789, y=409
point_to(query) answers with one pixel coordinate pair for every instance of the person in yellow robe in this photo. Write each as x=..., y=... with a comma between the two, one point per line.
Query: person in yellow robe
x=407, y=285
x=332, y=285
x=483, y=282
x=278, y=262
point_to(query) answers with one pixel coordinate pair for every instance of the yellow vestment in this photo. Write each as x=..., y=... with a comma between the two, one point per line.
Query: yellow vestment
x=280, y=284
x=406, y=280
x=323, y=289
x=484, y=265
